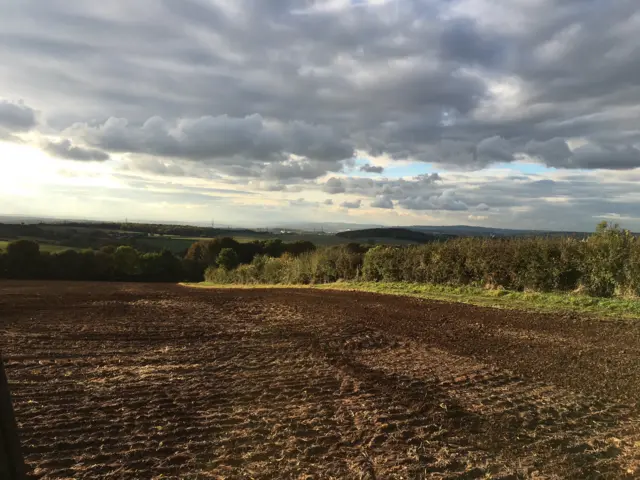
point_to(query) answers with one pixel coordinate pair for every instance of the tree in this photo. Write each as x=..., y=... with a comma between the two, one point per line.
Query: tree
x=126, y=260
x=228, y=259
x=23, y=259
x=23, y=249
x=604, y=227
x=206, y=252
x=274, y=248
x=299, y=247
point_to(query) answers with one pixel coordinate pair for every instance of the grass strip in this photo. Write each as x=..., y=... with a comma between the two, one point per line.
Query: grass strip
x=610, y=308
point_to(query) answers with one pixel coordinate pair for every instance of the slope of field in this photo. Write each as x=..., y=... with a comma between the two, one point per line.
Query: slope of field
x=160, y=381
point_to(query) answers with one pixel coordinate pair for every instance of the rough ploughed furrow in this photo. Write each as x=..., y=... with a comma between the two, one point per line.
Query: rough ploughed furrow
x=141, y=381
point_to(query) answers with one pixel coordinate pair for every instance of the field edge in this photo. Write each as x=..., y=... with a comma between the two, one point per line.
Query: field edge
x=604, y=308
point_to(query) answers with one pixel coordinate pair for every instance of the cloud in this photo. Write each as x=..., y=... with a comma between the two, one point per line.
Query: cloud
x=350, y=205
x=617, y=157
x=556, y=153
x=328, y=201
x=334, y=185
x=16, y=117
x=494, y=149
x=255, y=93
x=215, y=139
x=301, y=202
x=447, y=201
x=371, y=169
x=66, y=150
x=256, y=81
x=393, y=188
x=298, y=170
x=382, y=201
x=552, y=152
x=155, y=166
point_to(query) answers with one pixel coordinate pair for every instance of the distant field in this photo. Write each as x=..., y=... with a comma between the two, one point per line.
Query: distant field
x=44, y=247
x=82, y=237
x=180, y=244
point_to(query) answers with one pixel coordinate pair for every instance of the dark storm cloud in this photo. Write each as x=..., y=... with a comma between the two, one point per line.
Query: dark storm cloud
x=173, y=78
x=393, y=188
x=462, y=41
x=246, y=147
x=446, y=201
x=350, y=205
x=213, y=138
x=246, y=61
x=16, y=117
x=371, y=169
x=66, y=150
x=382, y=201
x=298, y=170
x=556, y=153
x=334, y=185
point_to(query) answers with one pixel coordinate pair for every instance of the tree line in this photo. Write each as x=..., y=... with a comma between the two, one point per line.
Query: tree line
x=605, y=264
x=24, y=260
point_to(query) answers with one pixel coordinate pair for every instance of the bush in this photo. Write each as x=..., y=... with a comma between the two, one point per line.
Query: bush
x=606, y=263
x=228, y=259
x=24, y=260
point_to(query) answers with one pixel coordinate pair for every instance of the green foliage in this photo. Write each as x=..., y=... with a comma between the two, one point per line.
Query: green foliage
x=206, y=252
x=228, y=259
x=25, y=260
x=126, y=260
x=320, y=266
x=605, y=264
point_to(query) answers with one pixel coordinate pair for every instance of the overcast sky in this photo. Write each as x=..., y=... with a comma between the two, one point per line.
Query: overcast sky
x=510, y=113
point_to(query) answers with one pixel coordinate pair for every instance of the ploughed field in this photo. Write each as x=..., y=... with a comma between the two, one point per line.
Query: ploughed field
x=161, y=381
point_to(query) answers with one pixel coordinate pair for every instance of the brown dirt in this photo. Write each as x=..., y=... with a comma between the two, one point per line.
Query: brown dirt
x=143, y=381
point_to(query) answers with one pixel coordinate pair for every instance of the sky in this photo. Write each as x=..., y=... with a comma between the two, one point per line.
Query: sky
x=504, y=113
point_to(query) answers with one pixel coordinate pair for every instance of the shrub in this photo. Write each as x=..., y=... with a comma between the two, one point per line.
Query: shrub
x=604, y=264
x=228, y=259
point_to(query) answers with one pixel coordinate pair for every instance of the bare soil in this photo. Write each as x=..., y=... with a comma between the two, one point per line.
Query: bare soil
x=137, y=381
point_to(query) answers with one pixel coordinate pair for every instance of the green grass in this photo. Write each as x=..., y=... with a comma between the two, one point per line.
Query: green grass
x=173, y=244
x=538, y=302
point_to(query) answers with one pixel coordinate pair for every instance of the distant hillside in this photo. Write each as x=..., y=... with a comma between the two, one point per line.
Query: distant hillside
x=472, y=231
x=403, y=234
x=159, y=229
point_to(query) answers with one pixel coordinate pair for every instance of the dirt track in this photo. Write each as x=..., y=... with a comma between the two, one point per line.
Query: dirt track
x=158, y=381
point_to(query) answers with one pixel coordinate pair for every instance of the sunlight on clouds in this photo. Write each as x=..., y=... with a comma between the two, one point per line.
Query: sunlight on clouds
x=27, y=168
x=556, y=199
x=325, y=6
x=505, y=100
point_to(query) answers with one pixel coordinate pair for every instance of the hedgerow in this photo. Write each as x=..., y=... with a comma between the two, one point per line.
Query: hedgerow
x=604, y=264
